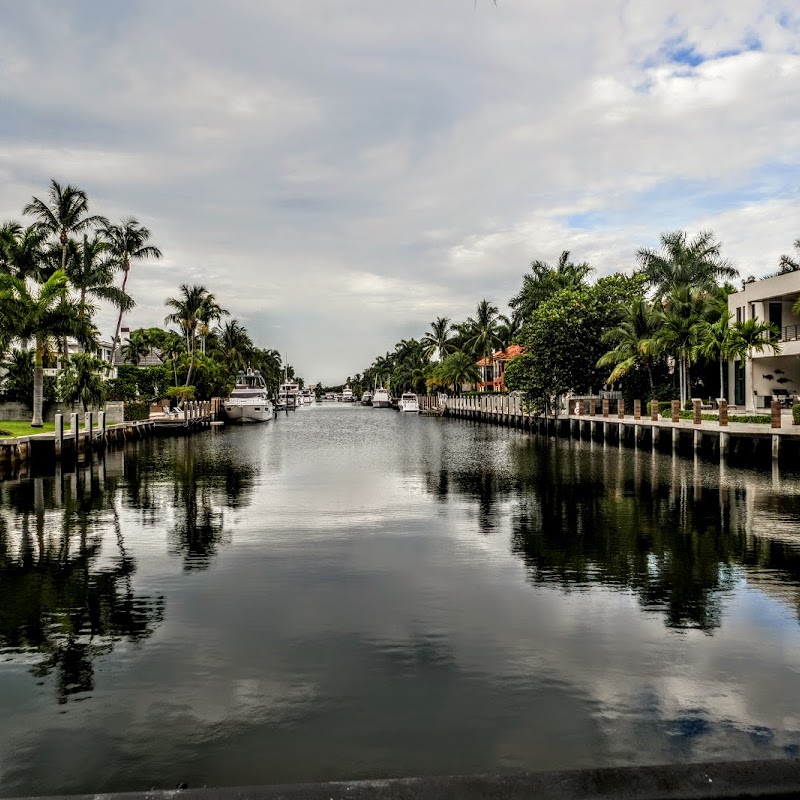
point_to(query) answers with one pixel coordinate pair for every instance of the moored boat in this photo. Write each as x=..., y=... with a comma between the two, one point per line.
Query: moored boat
x=347, y=395
x=249, y=401
x=381, y=398
x=366, y=398
x=409, y=402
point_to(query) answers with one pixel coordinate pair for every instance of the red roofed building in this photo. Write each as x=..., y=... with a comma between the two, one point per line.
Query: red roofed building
x=493, y=368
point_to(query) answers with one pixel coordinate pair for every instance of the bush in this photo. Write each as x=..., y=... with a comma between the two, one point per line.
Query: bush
x=136, y=411
x=796, y=413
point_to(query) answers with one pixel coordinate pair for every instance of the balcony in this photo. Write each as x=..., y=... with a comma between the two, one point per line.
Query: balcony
x=790, y=333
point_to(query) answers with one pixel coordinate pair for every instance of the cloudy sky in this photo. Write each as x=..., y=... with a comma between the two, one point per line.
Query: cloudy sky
x=341, y=172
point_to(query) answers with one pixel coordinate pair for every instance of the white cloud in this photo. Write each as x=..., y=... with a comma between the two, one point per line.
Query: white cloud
x=386, y=164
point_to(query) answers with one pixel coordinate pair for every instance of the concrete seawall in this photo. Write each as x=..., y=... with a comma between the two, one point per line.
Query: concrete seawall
x=715, y=781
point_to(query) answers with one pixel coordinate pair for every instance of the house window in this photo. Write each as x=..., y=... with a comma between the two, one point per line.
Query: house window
x=740, y=314
x=752, y=310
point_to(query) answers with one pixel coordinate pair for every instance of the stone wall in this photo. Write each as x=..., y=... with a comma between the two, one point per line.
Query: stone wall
x=19, y=411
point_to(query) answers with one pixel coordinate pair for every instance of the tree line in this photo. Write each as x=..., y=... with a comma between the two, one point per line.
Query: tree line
x=55, y=269
x=662, y=330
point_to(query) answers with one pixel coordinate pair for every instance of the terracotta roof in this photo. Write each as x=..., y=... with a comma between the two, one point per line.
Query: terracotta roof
x=512, y=351
x=484, y=362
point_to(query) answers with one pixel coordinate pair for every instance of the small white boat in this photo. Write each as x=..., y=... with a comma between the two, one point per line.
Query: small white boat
x=366, y=398
x=306, y=398
x=248, y=401
x=381, y=398
x=409, y=402
x=347, y=395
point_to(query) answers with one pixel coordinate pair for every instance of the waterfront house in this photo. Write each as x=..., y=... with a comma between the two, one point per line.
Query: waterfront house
x=493, y=369
x=773, y=376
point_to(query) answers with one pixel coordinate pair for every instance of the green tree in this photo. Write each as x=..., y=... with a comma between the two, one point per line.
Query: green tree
x=482, y=337
x=697, y=263
x=546, y=280
x=33, y=314
x=437, y=340
x=633, y=340
x=715, y=340
x=753, y=336
x=82, y=382
x=235, y=345
x=127, y=243
x=456, y=370
x=188, y=311
x=789, y=264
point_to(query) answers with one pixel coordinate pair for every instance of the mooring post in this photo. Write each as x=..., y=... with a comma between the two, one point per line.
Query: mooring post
x=621, y=409
x=637, y=409
x=592, y=407
x=59, y=421
x=88, y=420
x=724, y=442
x=676, y=437
x=775, y=415
x=697, y=412
x=101, y=424
x=776, y=445
x=723, y=413
x=654, y=410
x=606, y=405
x=697, y=440
x=676, y=410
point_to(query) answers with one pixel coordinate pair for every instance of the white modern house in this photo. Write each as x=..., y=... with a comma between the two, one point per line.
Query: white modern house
x=774, y=376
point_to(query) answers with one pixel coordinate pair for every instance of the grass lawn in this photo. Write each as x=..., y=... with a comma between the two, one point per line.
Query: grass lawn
x=17, y=428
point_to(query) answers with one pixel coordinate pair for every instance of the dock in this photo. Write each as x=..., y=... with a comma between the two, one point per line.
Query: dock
x=71, y=439
x=593, y=421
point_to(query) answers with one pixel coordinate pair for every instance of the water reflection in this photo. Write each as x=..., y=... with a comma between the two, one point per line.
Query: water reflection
x=194, y=482
x=57, y=600
x=677, y=533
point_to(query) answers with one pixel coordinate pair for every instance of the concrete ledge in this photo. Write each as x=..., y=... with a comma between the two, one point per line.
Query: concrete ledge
x=757, y=779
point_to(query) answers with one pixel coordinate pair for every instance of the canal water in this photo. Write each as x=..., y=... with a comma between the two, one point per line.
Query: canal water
x=350, y=592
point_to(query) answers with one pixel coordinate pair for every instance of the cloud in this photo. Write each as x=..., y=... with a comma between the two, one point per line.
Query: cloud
x=364, y=169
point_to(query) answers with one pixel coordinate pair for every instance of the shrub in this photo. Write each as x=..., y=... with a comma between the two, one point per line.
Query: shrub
x=136, y=411
x=796, y=413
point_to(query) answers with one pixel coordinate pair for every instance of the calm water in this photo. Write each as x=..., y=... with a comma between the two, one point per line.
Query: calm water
x=351, y=593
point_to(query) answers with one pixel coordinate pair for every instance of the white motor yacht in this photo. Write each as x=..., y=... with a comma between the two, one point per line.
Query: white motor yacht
x=381, y=398
x=249, y=401
x=347, y=395
x=366, y=398
x=287, y=395
x=409, y=402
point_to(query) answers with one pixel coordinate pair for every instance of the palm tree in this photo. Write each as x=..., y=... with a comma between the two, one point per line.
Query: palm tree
x=81, y=381
x=789, y=264
x=509, y=329
x=457, y=369
x=139, y=345
x=633, y=339
x=127, y=243
x=483, y=337
x=546, y=281
x=714, y=343
x=235, y=344
x=195, y=304
x=65, y=213
x=753, y=336
x=39, y=315
x=679, y=262
x=22, y=250
x=210, y=311
x=91, y=272
x=437, y=340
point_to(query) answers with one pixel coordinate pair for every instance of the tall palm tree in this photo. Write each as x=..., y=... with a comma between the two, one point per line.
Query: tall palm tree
x=753, y=336
x=139, y=345
x=509, y=329
x=715, y=340
x=546, y=281
x=39, y=314
x=633, y=339
x=127, y=243
x=235, y=344
x=210, y=311
x=91, y=272
x=63, y=214
x=437, y=340
x=188, y=313
x=483, y=337
x=22, y=250
x=682, y=262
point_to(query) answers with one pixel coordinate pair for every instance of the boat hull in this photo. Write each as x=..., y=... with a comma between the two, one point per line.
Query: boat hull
x=240, y=413
x=381, y=403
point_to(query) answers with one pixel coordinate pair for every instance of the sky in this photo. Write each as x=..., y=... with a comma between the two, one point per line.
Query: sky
x=341, y=172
